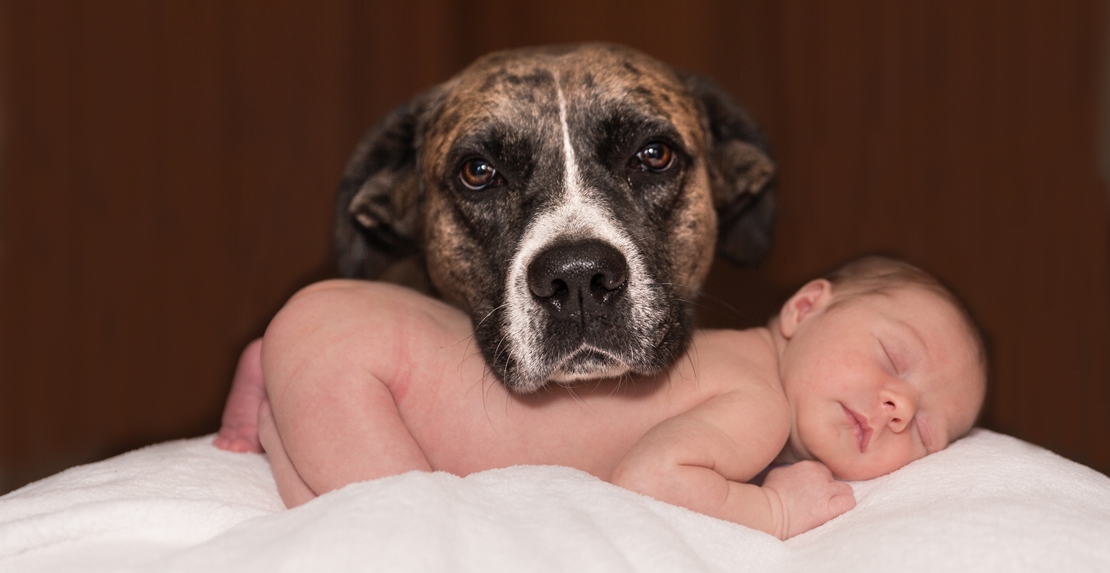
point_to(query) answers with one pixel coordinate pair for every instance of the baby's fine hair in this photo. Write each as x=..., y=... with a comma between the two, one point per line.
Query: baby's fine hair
x=877, y=275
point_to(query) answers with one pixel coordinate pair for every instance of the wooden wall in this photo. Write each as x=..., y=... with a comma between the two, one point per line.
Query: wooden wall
x=168, y=168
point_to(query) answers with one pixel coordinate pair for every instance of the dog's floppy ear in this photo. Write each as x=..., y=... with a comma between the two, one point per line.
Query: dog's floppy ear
x=376, y=209
x=741, y=173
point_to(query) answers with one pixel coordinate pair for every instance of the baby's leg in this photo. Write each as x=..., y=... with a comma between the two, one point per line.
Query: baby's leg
x=332, y=431
x=335, y=419
x=239, y=426
x=294, y=491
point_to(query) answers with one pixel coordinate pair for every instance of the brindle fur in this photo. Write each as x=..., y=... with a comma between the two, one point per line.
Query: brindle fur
x=400, y=196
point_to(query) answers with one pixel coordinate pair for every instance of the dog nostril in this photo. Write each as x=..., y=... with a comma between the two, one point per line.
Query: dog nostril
x=547, y=289
x=611, y=275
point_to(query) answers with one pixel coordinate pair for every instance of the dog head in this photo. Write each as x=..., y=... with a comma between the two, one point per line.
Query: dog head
x=569, y=198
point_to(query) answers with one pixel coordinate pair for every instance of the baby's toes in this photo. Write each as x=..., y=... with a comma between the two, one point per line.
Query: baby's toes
x=232, y=440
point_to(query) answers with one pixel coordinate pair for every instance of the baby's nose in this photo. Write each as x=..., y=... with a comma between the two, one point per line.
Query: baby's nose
x=899, y=409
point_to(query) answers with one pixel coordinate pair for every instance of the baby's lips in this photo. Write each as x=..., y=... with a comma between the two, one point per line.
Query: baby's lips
x=861, y=428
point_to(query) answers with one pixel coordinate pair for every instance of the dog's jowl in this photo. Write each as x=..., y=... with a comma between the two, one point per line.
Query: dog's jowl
x=569, y=198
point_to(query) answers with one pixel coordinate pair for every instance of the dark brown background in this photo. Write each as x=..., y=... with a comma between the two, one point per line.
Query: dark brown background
x=168, y=170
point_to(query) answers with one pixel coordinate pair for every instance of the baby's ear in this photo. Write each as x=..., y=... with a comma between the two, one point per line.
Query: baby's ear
x=808, y=301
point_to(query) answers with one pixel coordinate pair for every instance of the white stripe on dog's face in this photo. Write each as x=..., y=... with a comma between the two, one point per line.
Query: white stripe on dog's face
x=573, y=182
x=576, y=215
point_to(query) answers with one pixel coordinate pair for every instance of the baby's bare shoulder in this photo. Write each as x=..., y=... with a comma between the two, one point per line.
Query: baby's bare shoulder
x=737, y=358
x=746, y=404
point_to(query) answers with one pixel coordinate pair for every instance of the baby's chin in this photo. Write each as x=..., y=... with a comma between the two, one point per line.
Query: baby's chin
x=855, y=475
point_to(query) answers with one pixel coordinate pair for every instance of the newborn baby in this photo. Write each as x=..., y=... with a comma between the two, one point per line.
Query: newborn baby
x=859, y=374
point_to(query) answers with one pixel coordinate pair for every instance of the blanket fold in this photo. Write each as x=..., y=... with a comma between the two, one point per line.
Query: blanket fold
x=988, y=503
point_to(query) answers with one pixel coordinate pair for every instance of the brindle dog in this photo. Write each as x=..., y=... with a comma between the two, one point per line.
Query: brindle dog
x=569, y=198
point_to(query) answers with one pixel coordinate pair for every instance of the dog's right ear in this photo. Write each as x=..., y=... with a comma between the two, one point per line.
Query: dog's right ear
x=376, y=210
x=742, y=173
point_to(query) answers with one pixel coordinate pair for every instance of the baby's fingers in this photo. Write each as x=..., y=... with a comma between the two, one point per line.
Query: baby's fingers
x=842, y=500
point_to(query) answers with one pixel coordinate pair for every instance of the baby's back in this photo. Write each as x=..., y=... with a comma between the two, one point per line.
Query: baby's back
x=465, y=421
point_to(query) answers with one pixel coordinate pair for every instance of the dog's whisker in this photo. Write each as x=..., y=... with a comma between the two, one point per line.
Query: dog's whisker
x=497, y=354
x=485, y=393
x=670, y=371
x=476, y=326
x=693, y=361
x=508, y=400
x=582, y=401
x=473, y=337
x=732, y=310
x=627, y=376
x=490, y=313
x=696, y=302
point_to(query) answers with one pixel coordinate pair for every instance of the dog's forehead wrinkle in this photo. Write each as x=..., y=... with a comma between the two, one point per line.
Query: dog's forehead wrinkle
x=510, y=78
x=622, y=108
x=503, y=140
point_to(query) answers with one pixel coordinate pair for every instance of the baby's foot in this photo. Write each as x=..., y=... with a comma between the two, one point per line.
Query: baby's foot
x=239, y=426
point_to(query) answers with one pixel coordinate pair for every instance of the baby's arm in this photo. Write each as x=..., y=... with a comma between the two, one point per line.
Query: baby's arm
x=807, y=496
x=694, y=460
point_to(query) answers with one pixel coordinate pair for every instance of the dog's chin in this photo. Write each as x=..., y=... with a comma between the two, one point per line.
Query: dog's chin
x=584, y=364
x=588, y=364
x=588, y=369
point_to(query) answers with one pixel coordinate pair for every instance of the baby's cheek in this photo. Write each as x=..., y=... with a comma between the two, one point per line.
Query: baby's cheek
x=846, y=468
x=817, y=442
x=878, y=464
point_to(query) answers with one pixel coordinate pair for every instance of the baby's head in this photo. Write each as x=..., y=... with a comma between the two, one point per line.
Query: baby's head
x=881, y=365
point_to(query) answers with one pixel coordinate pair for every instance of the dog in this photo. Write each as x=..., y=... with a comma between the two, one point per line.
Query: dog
x=569, y=198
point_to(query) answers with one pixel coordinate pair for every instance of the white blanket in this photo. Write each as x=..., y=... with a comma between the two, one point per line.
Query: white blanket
x=987, y=503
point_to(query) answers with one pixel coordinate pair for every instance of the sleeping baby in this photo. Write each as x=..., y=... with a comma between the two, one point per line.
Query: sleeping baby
x=859, y=374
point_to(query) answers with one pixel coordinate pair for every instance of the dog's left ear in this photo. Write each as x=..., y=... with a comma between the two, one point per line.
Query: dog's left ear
x=377, y=204
x=741, y=174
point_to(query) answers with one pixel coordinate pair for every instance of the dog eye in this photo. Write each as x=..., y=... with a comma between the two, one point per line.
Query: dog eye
x=656, y=156
x=478, y=174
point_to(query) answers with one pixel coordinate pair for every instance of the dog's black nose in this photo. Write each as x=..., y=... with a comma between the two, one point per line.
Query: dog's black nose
x=578, y=280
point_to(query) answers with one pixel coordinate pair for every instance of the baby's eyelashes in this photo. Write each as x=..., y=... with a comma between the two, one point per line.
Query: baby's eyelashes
x=895, y=368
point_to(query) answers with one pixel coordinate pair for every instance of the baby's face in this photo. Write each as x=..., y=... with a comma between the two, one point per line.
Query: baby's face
x=880, y=380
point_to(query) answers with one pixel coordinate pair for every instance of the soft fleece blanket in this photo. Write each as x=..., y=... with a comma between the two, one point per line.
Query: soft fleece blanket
x=988, y=503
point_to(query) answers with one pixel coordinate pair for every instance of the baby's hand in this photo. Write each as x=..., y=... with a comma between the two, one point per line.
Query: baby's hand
x=807, y=496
